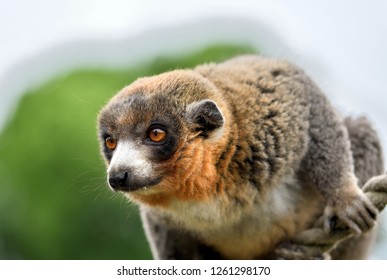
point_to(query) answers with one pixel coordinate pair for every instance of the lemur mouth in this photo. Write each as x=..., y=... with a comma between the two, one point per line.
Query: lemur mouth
x=123, y=183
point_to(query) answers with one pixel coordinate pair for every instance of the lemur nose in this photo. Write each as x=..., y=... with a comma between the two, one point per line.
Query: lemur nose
x=119, y=180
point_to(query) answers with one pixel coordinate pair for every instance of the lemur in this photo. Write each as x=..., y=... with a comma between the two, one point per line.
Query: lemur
x=228, y=160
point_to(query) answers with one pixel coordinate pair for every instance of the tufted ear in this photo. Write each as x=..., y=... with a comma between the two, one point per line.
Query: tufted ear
x=205, y=116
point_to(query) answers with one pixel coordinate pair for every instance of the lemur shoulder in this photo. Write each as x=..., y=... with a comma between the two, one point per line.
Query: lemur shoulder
x=228, y=160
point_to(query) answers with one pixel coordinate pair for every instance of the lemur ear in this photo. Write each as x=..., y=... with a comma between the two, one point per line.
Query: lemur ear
x=205, y=116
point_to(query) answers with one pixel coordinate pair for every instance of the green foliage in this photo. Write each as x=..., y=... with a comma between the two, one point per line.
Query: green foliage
x=54, y=202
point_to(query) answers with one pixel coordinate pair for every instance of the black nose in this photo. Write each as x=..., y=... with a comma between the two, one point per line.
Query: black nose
x=119, y=180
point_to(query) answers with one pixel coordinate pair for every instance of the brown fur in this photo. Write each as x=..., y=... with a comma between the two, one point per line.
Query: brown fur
x=278, y=157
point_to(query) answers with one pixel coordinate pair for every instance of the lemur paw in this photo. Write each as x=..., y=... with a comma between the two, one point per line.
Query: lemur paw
x=355, y=211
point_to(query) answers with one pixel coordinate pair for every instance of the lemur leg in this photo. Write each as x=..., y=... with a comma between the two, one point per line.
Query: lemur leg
x=341, y=244
x=328, y=166
x=366, y=149
x=368, y=161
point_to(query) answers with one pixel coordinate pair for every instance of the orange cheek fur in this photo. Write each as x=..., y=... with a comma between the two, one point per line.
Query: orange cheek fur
x=193, y=177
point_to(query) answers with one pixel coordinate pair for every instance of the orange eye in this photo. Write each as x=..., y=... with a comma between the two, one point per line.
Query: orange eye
x=157, y=135
x=110, y=143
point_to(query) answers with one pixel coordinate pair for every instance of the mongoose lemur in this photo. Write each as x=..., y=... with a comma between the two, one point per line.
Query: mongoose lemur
x=228, y=160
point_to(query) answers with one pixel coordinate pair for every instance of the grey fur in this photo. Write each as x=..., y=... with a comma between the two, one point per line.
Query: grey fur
x=276, y=157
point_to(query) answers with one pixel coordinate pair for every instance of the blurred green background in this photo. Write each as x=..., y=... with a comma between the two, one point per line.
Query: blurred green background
x=54, y=201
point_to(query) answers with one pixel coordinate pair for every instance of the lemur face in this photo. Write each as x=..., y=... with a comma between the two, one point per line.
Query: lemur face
x=147, y=130
x=137, y=139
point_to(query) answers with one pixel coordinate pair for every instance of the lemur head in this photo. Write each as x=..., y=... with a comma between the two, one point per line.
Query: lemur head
x=161, y=137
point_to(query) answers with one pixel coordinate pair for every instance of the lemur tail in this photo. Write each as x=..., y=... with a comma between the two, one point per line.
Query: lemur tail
x=366, y=149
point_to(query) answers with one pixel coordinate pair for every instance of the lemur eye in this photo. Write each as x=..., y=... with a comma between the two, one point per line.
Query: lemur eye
x=110, y=143
x=157, y=135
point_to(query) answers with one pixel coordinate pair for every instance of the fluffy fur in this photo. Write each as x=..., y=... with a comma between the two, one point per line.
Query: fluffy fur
x=254, y=154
